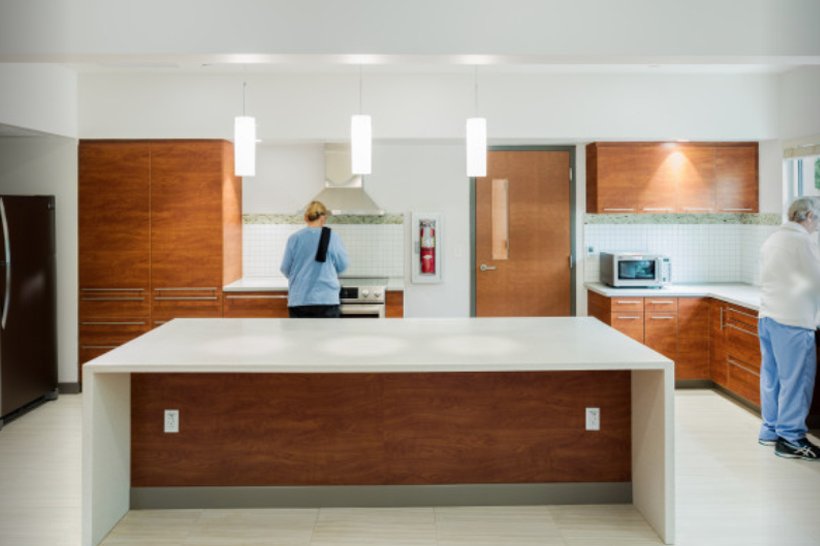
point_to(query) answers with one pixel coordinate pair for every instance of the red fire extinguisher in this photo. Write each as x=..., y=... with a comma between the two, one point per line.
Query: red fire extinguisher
x=427, y=235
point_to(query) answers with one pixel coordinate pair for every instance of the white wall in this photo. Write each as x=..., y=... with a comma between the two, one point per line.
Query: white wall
x=48, y=166
x=287, y=177
x=799, y=96
x=39, y=97
x=520, y=107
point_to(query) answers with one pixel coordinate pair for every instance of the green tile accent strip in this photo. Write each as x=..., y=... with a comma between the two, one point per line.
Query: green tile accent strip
x=340, y=219
x=763, y=219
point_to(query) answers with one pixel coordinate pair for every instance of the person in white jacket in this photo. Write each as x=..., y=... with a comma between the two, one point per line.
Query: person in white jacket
x=787, y=324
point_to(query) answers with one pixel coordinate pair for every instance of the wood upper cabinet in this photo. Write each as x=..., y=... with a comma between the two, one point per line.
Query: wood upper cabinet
x=657, y=177
x=737, y=178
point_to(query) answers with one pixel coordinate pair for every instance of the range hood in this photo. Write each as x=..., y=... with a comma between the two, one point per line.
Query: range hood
x=344, y=192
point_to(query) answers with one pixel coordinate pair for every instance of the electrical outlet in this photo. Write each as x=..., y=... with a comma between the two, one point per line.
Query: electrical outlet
x=171, y=420
x=590, y=250
x=593, y=418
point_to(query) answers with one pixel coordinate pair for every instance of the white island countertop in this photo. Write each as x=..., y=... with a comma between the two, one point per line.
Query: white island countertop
x=409, y=345
x=747, y=295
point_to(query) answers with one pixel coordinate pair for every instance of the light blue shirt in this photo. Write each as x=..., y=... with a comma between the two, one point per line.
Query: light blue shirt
x=311, y=282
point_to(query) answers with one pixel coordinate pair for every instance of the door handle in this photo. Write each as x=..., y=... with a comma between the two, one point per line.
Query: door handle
x=7, y=264
x=485, y=267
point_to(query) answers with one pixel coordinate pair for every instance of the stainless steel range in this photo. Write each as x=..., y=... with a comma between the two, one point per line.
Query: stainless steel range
x=362, y=297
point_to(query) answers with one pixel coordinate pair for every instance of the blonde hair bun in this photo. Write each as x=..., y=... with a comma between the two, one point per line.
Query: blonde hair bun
x=315, y=210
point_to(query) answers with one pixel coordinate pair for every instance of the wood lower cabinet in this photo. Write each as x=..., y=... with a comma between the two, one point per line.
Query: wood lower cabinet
x=693, y=339
x=255, y=304
x=160, y=233
x=663, y=177
x=394, y=301
x=742, y=352
x=718, y=369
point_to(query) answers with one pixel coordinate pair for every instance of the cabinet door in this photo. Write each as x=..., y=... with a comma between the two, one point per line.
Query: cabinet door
x=629, y=323
x=394, y=300
x=693, y=339
x=736, y=176
x=186, y=229
x=113, y=218
x=661, y=333
x=629, y=178
x=694, y=167
x=255, y=305
x=717, y=345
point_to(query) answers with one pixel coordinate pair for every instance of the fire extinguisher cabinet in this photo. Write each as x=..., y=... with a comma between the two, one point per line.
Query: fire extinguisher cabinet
x=427, y=256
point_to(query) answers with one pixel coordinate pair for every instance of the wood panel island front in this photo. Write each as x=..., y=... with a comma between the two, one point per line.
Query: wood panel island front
x=278, y=412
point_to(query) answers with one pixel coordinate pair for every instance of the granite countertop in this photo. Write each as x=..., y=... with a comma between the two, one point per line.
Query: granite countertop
x=410, y=345
x=747, y=295
x=275, y=284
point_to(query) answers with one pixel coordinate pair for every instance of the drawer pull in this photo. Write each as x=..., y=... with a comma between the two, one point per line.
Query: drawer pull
x=741, y=365
x=112, y=323
x=618, y=210
x=739, y=312
x=246, y=297
x=629, y=318
x=662, y=318
x=112, y=290
x=661, y=302
x=738, y=210
x=185, y=298
x=696, y=208
x=654, y=209
x=627, y=302
x=192, y=289
x=112, y=299
x=160, y=321
x=739, y=329
x=100, y=346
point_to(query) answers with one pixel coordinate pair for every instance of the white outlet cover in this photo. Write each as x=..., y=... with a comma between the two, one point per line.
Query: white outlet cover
x=593, y=419
x=171, y=423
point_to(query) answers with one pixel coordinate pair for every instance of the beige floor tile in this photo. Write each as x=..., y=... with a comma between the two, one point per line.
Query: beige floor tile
x=154, y=527
x=257, y=527
x=621, y=521
x=375, y=527
x=513, y=525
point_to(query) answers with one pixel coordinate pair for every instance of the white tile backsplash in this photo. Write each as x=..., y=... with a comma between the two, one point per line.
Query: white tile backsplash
x=374, y=250
x=699, y=252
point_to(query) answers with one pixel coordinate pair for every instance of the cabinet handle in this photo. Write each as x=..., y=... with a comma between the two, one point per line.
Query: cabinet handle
x=739, y=312
x=113, y=299
x=661, y=302
x=662, y=318
x=741, y=365
x=739, y=329
x=160, y=321
x=112, y=290
x=99, y=346
x=185, y=298
x=618, y=210
x=629, y=318
x=653, y=209
x=191, y=289
x=112, y=323
x=738, y=210
x=696, y=208
x=246, y=297
x=721, y=317
x=627, y=302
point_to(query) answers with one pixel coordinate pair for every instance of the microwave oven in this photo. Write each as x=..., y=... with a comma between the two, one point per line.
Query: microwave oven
x=633, y=269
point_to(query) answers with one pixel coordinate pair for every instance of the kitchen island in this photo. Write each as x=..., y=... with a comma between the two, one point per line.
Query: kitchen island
x=376, y=413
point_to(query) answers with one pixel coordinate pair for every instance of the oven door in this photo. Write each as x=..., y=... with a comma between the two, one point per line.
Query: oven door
x=362, y=310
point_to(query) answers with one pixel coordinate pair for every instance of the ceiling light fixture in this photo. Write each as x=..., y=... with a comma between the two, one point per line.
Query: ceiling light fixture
x=476, y=139
x=361, y=139
x=244, y=142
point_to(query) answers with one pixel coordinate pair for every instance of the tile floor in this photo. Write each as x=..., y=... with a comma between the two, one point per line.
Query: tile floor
x=730, y=491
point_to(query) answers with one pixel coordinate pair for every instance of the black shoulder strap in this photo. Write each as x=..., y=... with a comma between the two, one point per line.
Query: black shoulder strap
x=324, y=240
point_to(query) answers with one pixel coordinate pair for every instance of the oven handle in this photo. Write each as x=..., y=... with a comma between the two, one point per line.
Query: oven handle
x=375, y=309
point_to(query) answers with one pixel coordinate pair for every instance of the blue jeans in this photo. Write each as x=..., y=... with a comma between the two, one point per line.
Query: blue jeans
x=787, y=372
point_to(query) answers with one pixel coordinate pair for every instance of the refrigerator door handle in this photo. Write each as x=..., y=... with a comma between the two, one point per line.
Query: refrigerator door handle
x=6, y=264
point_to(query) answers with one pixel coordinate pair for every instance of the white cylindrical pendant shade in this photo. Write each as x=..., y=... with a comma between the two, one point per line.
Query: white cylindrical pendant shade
x=360, y=144
x=244, y=146
x=476, y=147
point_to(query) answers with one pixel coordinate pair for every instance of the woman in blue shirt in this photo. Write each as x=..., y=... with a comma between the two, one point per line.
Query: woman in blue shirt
x=314, y=257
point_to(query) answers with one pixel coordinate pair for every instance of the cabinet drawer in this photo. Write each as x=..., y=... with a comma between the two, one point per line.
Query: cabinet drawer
x=741, y=317
x=255, y=305
x=743, y=381
x=628, y=323
x=626, y=304
x=100, y=336
x=113, y=302
x=190, y=302
x=661, y=305
x=743, y=345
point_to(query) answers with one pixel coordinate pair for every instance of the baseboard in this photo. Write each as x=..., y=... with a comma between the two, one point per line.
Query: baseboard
x=694, y=384
x=360, y=496
x=69, y=388
x=742, y=402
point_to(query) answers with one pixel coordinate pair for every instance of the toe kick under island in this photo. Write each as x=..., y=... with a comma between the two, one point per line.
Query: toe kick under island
x=414, y=412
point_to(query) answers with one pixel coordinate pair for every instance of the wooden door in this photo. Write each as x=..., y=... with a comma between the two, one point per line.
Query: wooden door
x=522, y=239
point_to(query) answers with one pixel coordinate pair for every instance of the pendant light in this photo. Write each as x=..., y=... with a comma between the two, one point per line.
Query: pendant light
x=476, y=139
x=361, y=139
x=244, y=142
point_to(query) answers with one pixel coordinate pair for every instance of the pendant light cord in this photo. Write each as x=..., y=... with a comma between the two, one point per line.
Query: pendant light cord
x=475, y=89
x=244, y=85
x=360, y=89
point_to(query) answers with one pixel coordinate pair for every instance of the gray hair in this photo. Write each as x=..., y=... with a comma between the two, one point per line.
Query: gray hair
x=800, y=208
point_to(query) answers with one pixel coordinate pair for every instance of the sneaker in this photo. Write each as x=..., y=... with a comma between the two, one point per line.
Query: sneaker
x=763, y=442
x=801, y=449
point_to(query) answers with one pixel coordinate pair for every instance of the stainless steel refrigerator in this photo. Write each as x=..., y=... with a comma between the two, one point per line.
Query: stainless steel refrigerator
x=28, y=321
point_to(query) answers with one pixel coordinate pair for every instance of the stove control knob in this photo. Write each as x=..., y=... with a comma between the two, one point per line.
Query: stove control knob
x=365, y=292
x=377, y=294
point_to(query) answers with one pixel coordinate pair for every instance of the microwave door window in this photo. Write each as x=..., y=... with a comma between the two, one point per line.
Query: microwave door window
x=636, y=270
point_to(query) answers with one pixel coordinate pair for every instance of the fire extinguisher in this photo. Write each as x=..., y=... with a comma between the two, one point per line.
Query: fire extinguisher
x=427, y=236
